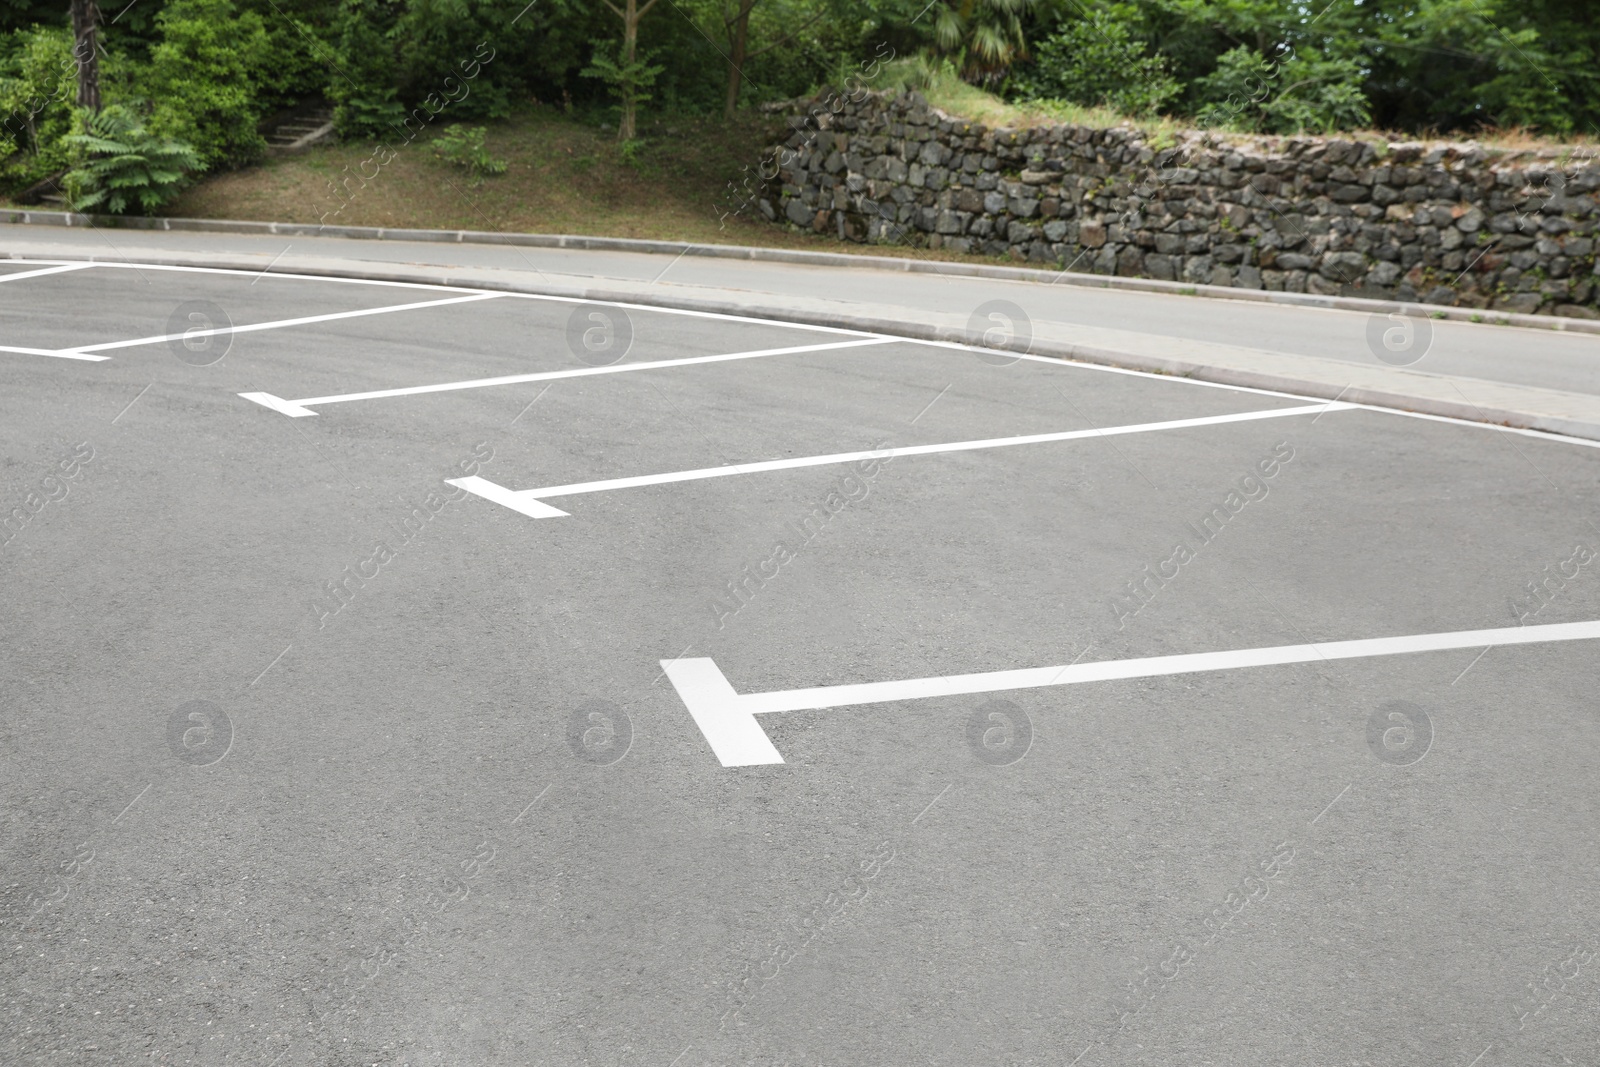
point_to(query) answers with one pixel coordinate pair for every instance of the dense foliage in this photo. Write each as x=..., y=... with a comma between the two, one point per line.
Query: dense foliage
x=128, y=166
x=213, y=73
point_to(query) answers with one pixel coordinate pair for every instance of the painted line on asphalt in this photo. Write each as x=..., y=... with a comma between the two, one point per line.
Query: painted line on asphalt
x=57, y=353
x=63, y=269
x=174, y=268
x=720, y=316
x=1103, y=368
x=277, y=403
x=529, y=501
x=302, y=408
x=1543, y=435
x=280, y=324
x=52, y=352
x=727, y=718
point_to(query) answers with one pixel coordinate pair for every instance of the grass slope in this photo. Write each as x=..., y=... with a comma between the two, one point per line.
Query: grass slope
x=566, y=175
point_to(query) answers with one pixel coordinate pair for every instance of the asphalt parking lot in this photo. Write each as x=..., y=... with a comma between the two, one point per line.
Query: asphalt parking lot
x=410, y=675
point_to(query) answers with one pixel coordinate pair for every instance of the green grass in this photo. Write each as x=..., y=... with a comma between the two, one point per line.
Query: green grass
x=938, y=82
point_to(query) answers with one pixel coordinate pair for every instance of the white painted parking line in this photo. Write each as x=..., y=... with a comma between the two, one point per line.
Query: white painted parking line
x=727, y=719
x=279, y=404
x=521, y=503
x=117, y=264
x=302, y=408
x=518, y=500
x=41, y=272
x=1106, y=368
x=657, y=309
x=289, y=407
x=53, y=352
x=283, y=323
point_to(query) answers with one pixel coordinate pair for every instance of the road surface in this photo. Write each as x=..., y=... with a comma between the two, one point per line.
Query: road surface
x=410, y=675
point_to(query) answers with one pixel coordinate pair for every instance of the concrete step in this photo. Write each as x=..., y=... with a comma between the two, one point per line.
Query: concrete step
x=321, y=133
x=300, y=130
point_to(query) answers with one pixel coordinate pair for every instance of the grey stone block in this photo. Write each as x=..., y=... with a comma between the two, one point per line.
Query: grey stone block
x=1344, y=267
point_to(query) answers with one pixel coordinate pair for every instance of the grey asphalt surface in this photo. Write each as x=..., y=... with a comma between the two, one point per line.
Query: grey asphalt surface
x=1551, y=360
x=464, y=820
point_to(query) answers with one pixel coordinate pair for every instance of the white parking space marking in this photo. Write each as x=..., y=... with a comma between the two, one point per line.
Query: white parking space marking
x=727, y=719
x=302, y=408
x=1106, y=368
x=63, y=269
x=283, y=323
x=655, y=309
x=294, y=408
x=53, y=352
x=279, y=404
x=720, y=316
x=111, y=264
x=519, y=500
x=521, y=503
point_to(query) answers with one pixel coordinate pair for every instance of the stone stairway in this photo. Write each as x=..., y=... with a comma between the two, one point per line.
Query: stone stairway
x=300, y=128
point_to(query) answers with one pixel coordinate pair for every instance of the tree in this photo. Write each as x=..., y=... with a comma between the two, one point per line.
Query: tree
x=205, y=77
x=736, y=22
x=1098, y=60
x=984, y=37
x=629, y=76
x=86, y=52
x=738, y=27
x=1442, y=64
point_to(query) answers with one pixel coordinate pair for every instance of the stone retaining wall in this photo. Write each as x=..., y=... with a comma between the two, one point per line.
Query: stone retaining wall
x=1441, y=223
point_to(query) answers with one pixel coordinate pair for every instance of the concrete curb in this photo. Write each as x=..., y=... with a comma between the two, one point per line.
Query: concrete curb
x=778, y=255
x=1585, y=426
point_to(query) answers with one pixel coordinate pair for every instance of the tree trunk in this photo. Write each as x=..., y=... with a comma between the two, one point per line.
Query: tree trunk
x=736, y=57
x=630, y=47
x=630, y=14
x=86, y=52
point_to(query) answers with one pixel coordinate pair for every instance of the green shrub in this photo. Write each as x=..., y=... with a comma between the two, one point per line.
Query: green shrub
x=127, y=166
x=367, y=104
x=297, y=69
x=1249, y=92
x=38, y=87
x=628, y=80
x=1098, y=62
x=448, y=51
x=205, y=79
x=463, y=146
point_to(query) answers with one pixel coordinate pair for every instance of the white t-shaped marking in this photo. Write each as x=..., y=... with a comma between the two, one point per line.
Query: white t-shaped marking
x=727, y=719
